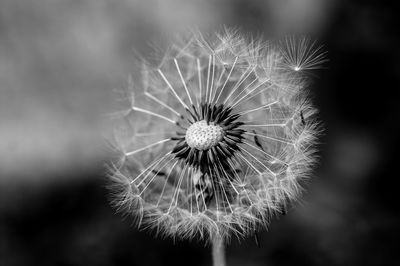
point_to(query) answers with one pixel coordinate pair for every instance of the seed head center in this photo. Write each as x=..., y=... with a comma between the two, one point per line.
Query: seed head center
x=202, y=136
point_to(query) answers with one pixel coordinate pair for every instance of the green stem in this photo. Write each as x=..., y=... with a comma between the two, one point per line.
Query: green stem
x=218, y=252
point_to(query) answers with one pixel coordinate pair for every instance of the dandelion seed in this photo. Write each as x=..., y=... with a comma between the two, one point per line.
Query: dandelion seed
x=221, y=137
x=302, y=54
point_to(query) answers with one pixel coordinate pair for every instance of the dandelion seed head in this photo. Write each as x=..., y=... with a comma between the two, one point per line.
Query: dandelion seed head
x=220, y=138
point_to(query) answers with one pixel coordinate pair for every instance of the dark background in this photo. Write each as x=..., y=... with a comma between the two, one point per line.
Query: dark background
x=60, y=60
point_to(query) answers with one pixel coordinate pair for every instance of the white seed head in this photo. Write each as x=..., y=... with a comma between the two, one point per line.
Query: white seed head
x=202, y=136
x=221, y=139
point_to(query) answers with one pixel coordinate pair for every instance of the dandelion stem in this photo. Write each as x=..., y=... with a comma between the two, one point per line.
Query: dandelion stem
x=218, y=252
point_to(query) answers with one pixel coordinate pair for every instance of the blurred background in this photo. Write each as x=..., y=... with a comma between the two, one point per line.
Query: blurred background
x=60, y=61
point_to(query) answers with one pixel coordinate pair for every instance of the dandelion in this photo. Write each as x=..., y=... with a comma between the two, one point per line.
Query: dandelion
x=216, y=138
